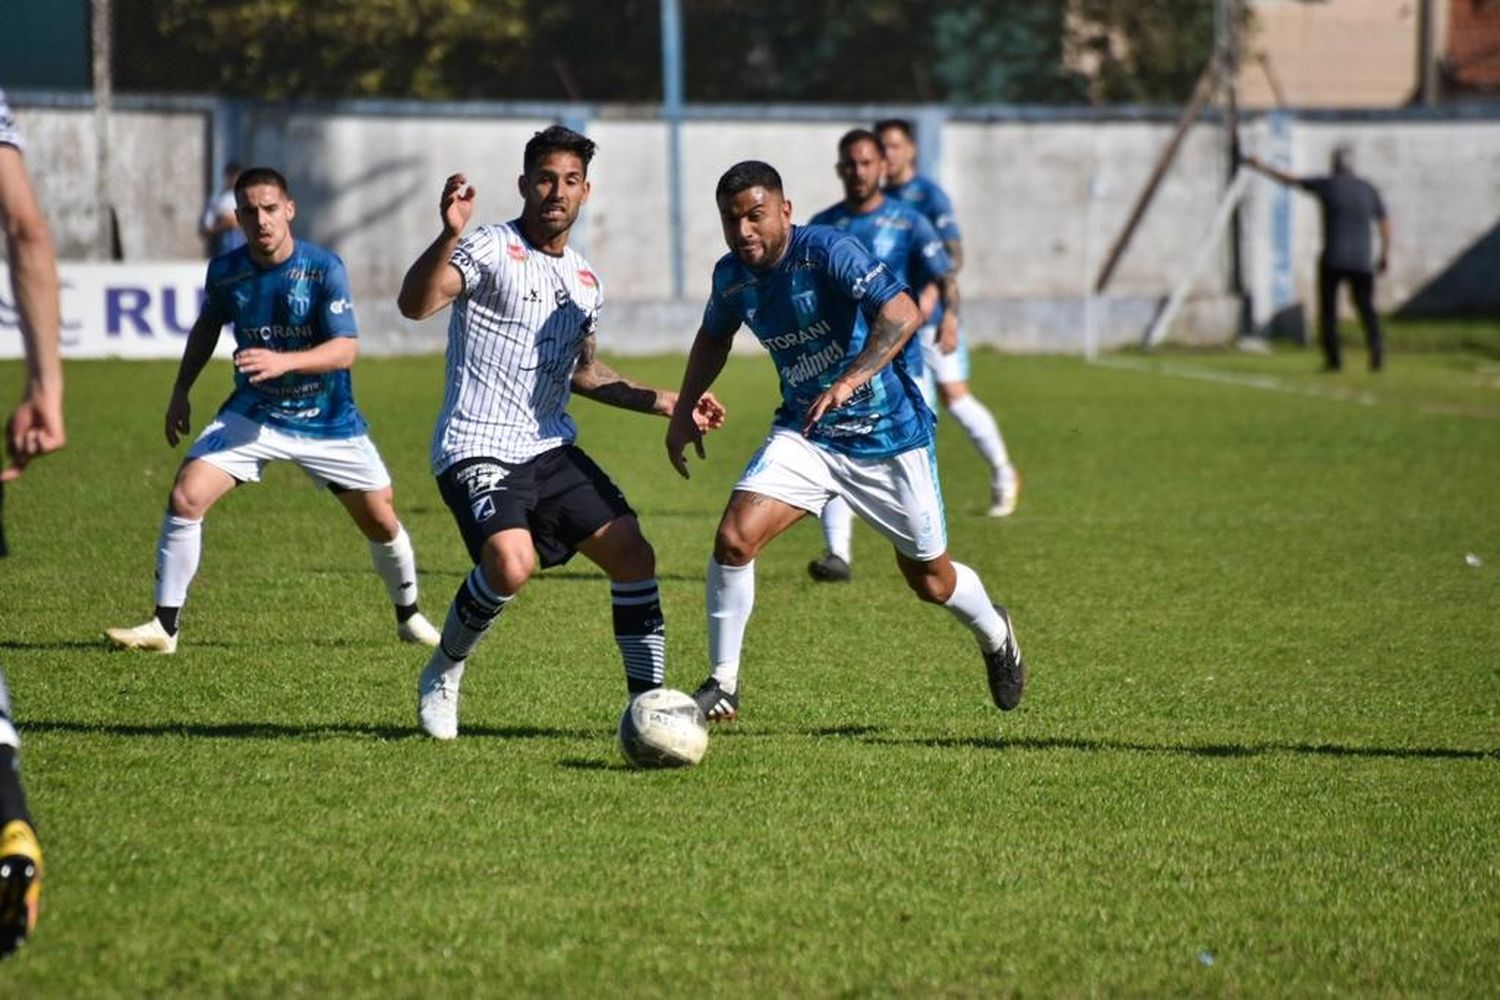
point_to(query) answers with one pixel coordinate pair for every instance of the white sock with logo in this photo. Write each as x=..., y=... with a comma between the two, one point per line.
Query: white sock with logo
x=838, y=527
x=396, y=564
x=971, y=605
x=730, y=598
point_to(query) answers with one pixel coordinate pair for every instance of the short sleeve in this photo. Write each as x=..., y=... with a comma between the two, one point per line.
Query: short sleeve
x=858, y=274
x=337, y=310
x=10, y=132
x=477, y=258
x=929, y=259
x=944, y=219
x=1377, y=205
x=1314, y=185
x=720, y=317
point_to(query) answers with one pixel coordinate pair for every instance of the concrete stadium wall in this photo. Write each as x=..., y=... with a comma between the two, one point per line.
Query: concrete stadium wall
x=1040, y=197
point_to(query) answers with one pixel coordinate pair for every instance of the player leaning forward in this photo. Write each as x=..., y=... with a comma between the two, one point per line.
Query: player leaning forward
x=521, y=337
x=293, y=400
x=851, y=423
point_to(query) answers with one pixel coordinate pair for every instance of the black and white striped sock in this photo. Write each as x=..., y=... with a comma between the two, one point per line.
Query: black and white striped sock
x=640, y=632
x=474, y=609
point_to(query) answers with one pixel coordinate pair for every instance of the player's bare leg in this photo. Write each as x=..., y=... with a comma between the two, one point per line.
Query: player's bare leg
x=750, y=522
x=391, y=553
x=959, y=589
x=628, y=559
x=199, y=485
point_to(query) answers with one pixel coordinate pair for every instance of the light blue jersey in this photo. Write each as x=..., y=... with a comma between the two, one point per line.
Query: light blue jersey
x=932, y=201
x=813, y=311
x=300, y=303
x=904, y=241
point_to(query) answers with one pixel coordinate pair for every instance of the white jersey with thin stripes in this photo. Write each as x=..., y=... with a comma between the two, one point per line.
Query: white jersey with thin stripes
x=513, y=342
x=10, y=132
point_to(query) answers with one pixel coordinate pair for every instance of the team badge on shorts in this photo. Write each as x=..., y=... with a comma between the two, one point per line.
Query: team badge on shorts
x=483, y=509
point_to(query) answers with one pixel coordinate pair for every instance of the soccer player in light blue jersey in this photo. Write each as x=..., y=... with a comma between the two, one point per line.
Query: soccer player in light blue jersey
x=293, y=400
x=947, y=356
x=851, y=423
x=903, y=240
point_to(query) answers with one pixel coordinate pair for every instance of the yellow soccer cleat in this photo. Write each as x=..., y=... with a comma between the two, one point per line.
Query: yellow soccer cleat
x=20, y=884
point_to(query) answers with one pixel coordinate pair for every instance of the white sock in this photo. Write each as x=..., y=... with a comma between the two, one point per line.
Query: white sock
x=971, y=605
x=838, y=526
x=731, y=596
x=396, y=563
x=178, y=549
x=8, y=735
x=977, y=421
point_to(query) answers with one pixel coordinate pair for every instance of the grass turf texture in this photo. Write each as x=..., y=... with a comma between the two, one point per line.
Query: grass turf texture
x=1259, y=754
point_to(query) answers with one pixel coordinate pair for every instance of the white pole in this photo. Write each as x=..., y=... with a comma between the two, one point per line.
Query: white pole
x=1090, y=296
x=99, y=29
x=1202, y=253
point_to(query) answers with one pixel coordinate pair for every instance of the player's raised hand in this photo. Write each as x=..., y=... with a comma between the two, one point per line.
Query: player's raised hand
x=179, y=416
x=831, y=398
x=457, y=204
x=682, y=431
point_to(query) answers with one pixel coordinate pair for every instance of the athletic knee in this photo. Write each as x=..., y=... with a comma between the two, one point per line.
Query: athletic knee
x=507, y=568
x=732, y=547
x=929, y=588
x=186, y=502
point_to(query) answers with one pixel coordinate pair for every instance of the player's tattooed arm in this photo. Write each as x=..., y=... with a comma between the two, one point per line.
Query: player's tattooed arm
x=897, y=321
x=955, y=250
x=593, y=379
x=947, y=333
x=696, y=410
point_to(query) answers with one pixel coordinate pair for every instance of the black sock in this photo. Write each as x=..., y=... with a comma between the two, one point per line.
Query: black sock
x=640, y=633
x=168, y=618
x=404, y=612
x=12, y=797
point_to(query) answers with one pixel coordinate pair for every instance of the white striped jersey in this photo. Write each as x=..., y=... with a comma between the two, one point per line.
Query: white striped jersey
x=513, y=341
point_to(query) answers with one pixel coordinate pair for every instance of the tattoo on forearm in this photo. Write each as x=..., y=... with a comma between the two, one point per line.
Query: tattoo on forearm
x=880, y=347
x=593, y=379
x=950, y=293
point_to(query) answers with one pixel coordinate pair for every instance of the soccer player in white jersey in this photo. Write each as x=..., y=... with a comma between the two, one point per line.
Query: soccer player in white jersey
x=851, y=424
x=521, y=338
x=946, y=355
x=293, y=400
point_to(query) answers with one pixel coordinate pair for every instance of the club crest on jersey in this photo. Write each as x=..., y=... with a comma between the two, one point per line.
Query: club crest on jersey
x=588, y=278
x=516, y=251
x=298, y=300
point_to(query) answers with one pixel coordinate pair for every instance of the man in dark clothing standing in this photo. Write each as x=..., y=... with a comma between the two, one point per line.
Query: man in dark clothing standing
x=1350, y=204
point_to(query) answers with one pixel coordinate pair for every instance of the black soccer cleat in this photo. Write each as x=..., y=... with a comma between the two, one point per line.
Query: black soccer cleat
x=829, y=568
x=20, y=884
x=1005, y=669
x=718, y=705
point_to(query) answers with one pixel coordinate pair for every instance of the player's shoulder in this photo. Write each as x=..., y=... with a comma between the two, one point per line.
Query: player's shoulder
x=829, y=216
x=231, y=267
x=819, y=245
x=317, y=256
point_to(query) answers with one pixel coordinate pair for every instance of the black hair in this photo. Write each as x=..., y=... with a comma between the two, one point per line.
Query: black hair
x=747, y=174
x=855, y=136
x=256, y=176
x=898, y=123
x=557, y=139
x=233, y=167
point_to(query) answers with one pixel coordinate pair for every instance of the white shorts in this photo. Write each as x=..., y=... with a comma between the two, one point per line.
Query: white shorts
x=899, y=496
x=242, y=447
x=943, y=368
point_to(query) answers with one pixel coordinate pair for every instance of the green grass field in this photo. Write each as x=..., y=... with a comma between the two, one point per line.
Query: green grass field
x=1260, y=754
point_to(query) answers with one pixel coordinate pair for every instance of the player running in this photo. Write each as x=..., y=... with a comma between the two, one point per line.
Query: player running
x=293, y=400
x=852, y=422
x=521, y=337
x=947, y=356
x=902, y=239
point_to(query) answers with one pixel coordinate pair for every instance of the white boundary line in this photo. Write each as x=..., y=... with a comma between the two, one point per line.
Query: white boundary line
x=1271, y=383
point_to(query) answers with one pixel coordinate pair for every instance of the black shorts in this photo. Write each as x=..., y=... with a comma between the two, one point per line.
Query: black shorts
x=560, y=496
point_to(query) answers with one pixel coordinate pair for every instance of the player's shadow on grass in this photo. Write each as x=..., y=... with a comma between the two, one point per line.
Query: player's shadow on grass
x=1190, y=749
x=281, y=730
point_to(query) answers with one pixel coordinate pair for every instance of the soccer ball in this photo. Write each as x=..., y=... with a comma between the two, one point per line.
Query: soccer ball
x=663, y=728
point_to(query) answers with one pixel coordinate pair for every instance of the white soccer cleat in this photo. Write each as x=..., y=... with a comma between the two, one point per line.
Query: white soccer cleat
x=437, y=697
x=150, y=636
x=1005, y=492
x=418, y=629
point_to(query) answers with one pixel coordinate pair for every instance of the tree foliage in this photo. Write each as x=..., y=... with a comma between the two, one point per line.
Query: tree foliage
x=956, y=51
